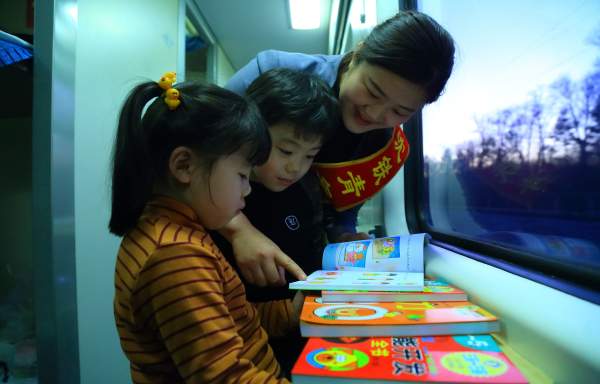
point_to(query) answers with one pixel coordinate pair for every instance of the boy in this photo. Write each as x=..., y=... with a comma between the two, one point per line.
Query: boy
x=302, y=112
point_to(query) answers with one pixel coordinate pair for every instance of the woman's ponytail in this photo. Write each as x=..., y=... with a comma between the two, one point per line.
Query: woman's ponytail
x=132, y=175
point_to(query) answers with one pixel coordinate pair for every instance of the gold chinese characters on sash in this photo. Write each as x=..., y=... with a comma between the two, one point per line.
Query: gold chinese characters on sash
x=347, y=184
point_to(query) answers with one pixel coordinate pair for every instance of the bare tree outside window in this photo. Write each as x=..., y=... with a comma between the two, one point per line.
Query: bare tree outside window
x=527, y=174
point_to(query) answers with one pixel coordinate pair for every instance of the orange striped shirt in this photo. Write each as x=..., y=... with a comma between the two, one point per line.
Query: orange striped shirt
x=181, y=310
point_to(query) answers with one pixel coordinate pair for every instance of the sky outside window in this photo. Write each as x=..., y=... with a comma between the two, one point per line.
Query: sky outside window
x=506, y=49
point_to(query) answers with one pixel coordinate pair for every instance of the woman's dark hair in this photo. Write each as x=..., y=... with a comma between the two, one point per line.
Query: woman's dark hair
x=304, y=100
x=413, y=46
x=211, y=121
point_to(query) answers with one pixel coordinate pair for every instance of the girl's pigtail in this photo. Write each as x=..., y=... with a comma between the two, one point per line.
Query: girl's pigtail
x=132, y=178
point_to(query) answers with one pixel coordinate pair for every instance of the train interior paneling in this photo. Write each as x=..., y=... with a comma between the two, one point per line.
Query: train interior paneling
x=503, y=171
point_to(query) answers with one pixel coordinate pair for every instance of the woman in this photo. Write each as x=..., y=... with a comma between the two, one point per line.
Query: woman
x=401, y=66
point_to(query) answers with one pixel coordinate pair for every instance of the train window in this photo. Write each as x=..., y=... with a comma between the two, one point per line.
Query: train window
x=511, y=151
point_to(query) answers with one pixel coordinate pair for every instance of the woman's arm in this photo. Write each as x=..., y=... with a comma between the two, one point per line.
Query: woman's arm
x=317, y=234
x=346, y=236
x=242, y=79
x=341, y=226
x=321, y=65
x=257, y=256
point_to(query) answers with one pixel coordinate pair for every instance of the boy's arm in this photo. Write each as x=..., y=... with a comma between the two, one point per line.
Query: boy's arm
x=256, y=255
x=181, y=294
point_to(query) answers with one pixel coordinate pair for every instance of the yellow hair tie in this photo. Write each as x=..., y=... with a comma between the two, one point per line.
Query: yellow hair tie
x=171, y=94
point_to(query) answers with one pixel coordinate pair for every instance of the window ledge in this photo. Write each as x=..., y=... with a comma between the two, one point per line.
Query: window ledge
x=556, y=332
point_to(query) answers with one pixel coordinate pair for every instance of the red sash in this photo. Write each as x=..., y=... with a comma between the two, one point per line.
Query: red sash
x=350, y=183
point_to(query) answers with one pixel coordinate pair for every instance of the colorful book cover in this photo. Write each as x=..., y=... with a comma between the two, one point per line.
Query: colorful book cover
x=440, y=359
x=433, y=291
x=320, y=319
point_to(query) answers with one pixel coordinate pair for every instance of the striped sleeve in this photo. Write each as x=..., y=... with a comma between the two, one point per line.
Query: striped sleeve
x=179, y=296
x=275, y=316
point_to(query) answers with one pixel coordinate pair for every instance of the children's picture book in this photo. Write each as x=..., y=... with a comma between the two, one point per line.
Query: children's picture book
x=423, y=359
x=386, y=264
x=320, y=319
x=350, y=280
x=433, y=291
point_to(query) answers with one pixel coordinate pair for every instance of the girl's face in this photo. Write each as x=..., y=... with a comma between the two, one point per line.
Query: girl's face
x=228, y=187
x=372, y=98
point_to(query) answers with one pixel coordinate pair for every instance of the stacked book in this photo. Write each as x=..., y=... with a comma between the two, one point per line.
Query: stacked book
x=374, y=317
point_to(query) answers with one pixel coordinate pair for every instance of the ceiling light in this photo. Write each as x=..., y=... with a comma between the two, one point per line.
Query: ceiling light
x=72, y=11
x=306, y=14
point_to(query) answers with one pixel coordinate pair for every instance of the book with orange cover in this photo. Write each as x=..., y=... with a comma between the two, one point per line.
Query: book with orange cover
x=433, y=291
x=425, y=359
x=320, y=319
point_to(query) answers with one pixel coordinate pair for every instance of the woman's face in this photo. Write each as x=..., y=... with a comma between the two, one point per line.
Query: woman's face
x=372, y=98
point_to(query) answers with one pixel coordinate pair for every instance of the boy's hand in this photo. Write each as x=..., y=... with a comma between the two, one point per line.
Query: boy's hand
x=347, y=236
x=260, y=260
x=297, y=303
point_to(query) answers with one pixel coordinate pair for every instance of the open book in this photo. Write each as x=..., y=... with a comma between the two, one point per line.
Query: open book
x=386, y=264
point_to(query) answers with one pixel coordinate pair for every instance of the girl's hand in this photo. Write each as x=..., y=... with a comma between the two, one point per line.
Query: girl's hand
x=297, y=303
x=346, y=236
x=260, y=260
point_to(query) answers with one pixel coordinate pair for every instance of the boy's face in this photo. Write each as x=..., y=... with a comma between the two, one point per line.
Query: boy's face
x=290, y=158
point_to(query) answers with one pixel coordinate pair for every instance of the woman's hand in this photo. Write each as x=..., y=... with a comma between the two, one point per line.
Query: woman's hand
x=297, y=303
x=346, y=236
x=261, y=261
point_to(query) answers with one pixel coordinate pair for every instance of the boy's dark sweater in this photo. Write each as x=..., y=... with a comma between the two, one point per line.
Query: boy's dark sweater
x=292, y=219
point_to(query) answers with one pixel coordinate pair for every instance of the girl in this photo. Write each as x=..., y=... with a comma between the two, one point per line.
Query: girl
x=402, y=65
x=182, y=168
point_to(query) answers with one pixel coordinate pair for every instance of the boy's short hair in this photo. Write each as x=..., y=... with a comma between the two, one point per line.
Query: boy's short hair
x=302, y=99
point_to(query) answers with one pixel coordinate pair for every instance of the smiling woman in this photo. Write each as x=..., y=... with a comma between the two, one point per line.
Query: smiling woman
x=401, y=66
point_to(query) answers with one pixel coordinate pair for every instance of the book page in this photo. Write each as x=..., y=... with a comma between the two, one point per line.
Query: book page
x=399, y=254
x=351, y=280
